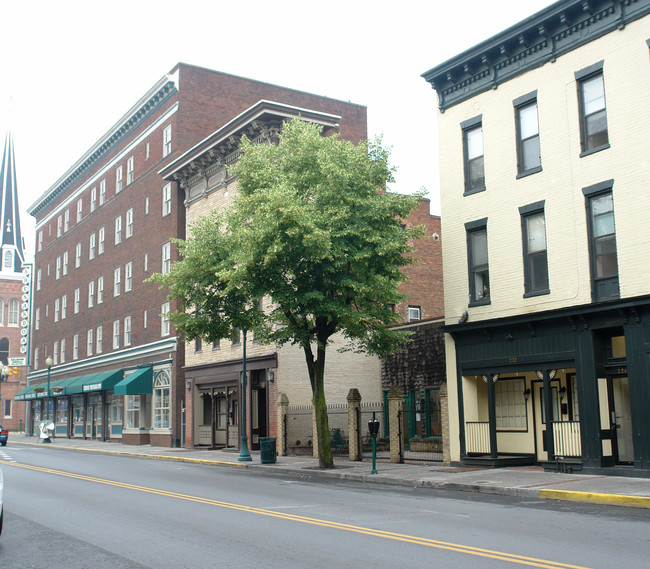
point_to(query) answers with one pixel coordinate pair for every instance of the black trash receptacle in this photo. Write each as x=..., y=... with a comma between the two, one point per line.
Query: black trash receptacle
x=267, y=450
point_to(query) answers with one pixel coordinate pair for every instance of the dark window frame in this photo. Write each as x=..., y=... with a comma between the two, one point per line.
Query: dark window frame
x=520, y=104
x=467, y=127
x=526, y=212
x=607, y=287
x=473, y=228
x=582, y=77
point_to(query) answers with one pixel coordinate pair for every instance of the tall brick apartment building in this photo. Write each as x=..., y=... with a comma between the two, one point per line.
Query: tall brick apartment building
x=98, y=331
x=13, y=323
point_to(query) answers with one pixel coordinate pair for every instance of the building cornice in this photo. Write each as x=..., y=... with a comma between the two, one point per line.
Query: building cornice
x=133, y=118
x=539, y=39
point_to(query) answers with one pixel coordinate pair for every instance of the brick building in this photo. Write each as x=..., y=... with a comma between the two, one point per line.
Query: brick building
x=98, y=331
x=213, y=371
x=544, y=162
x=13, y=304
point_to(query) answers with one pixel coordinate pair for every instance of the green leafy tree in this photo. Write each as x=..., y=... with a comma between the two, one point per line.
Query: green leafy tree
x=312, y=230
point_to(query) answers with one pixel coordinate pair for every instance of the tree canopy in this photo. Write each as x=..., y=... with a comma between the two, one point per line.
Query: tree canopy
x=312, y=230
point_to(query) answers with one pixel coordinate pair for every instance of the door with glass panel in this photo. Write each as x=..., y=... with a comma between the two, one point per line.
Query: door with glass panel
x=620, y=413
x=541, y=422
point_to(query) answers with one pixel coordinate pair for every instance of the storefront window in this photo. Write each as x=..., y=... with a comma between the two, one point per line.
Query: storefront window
x=133, y=411
x=161, y=400
x=78, y=408
x=117, y=409
x=62, y=410
x=510, y=405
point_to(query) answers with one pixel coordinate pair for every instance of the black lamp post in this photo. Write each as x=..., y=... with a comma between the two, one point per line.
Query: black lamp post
x=373, y=427
x=48, y=363
x=244, y=453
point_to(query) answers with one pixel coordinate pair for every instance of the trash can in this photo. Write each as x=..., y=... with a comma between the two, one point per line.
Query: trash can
x=267, y=450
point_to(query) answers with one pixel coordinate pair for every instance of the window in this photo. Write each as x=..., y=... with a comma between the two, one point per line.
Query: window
x=167, y=199
x=101, y=235
x=533, y=232
x=100, y=339
x=55, y=352
x=59, y=226
x=166, y=257
x=77, y=256
x=129, y=171
x=116, y=334
x=127, y=330
x=62, y=358
x=100, y=289
x=89, y=342
x=75, y=347
x=129, y=222
x=77, y=300
x=118, y=179
x=167, y=140
x=602, y=241
x=473, y=153
x=510, y=405
x=118, y=230
x=57, y=309
x=128, y=276
x=414, y=313
x=133, y=411
x=40, y=240
x=102, y=192
x=593, y=113
x=79, y=210
x=117, y=281
x=64, y=306
x=39, y=277
x=91, y=294
x=146, y=262
x=144, y=318
x=528, y=152
x=35, y=358
x=216, y=345
x=146, y=151
x=161, y=400
x=58, y=268
x=66, y=220
x=477, y=256
x=37, y=322
x=65, y=263
x=164, y=319
x=146, y=205
x=92, y=246
x=93, y=199
x=12, y=319
x=198, y=345
x=236, y=340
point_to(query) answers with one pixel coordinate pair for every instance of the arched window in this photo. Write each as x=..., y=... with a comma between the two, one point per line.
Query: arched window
x=8, y=259
x=4, y=351
x=13, y=313
x=161, y=399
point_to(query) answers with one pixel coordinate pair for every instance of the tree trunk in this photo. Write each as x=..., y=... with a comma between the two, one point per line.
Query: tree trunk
x=317, y=373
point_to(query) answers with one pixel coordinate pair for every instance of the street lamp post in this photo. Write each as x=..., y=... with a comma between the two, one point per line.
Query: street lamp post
x=244, y=453
x=48, y=363
x=5, y=374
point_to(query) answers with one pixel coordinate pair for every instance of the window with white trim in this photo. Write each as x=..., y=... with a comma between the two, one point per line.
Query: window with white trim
x=79, y=209
x=167, y=199
x=12, y=317
x=100, y=339
x=102, y=192
x=146, y=151
x=118, y=179
x=129, y=171
x=162, y=400
x=167, y=140
x=77, y=300
x=510, y=405
x=129, y=223
x=100, y=289
x=40, y=240
x=101, y=238
x=39, y=277
x=146, y=205
x=127, y=330
x=117, y=281
x=165, y=328
x=89, y=342
x=55, y=352
x=144, y=319
x=128, y=276
x=146, y=262
x=75, y=347
x=116, y=334
x=93, y=199
x=35, y=358
x=62, y=348
x=57, y=309
x=37, y=319
x=133, y=411
x=166, y=257
x=64, y=306
x=65, y=263
x=59, y=226
x=92, y=246
x=77, y=256
x=118, y=230
x=414, y=313
x=58, y=268
x=91, y=294
x=66, y=220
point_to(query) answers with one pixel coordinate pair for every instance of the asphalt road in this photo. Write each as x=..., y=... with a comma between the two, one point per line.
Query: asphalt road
x=82, y=511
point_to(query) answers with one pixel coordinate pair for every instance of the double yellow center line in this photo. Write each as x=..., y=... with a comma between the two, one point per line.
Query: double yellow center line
x=458, y=548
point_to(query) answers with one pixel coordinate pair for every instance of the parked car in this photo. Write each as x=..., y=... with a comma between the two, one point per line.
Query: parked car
x=4, y=435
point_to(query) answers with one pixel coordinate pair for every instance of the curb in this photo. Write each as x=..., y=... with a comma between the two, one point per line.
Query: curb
x=596, y=498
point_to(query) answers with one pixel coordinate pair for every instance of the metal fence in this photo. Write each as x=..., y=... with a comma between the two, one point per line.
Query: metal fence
x=421, y=426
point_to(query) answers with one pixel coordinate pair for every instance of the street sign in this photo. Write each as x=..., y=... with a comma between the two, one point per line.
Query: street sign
x=17, y=362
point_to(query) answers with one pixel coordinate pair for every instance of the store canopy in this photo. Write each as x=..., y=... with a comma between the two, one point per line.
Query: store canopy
x=104, y=381
x=140, y=381
x=28, y=393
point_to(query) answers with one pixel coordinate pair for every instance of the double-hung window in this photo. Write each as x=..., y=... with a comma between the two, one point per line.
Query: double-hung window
x=77, y=256
x=102, y=192
x=127, y=330
x=118, y=230
x=602, y=241
x=118, y=179
x=116, y=334
x=129, y=223
x=533, y=232
x=167, y=199
x=66, y=220
x=164, y=319
x=65, y=263
x=64, y=306
x=100, y=289
x=79, y=210
x=477, y=259
x=473, y=154
x=128, y=276
x=167, y=140
x=528, y=152
x=91, y=294
x=92, y=246
x=129, y=171
x=117, y=281
x=101, y=237
x=77, y=300
x=93, y=199
x=593, y=112
x=162, y=400
x=414, y=313
x=100, y=339
x=89, y=342
x=166, y=257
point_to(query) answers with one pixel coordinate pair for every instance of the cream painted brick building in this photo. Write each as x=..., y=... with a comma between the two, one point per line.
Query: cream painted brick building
x=545, y=167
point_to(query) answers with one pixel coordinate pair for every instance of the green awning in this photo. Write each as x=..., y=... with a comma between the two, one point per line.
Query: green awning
x=64, y=384
x=104, y=381
x=28, y=393
x=140, y=381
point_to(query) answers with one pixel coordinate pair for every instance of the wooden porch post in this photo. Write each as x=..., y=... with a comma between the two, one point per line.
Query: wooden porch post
x=548, y=412
x=492, y=415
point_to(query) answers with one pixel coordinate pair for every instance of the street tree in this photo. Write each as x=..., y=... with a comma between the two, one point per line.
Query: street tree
x=312, y=230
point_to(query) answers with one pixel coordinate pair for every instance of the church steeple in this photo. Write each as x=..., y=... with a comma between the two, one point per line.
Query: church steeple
x=11, y=243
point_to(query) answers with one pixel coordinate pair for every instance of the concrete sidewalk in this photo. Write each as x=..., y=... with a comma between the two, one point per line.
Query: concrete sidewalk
x=530, y=482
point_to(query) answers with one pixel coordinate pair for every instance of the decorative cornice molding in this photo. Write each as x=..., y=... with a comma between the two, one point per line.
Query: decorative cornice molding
x=150, y=103
x=541, y=38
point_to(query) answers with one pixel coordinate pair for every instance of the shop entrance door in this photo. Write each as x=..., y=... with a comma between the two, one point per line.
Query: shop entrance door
x=541, y=423
x=620, y=413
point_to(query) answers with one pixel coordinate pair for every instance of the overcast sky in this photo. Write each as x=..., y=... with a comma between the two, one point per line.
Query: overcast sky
x=71, y=69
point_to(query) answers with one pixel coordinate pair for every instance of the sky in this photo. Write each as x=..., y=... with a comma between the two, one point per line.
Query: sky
x=71, y=69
